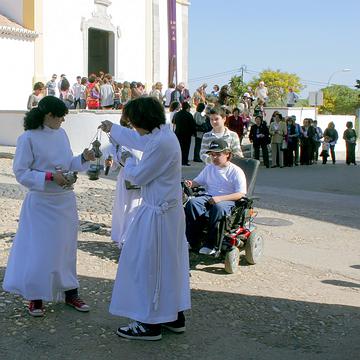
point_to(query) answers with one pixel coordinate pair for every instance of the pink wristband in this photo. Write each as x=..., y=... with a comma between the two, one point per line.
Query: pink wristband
x=49, y=176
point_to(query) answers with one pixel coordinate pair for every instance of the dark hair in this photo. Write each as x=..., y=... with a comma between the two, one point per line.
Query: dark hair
x=200, y=107
x=185, y=105
x=174, y=105
x=145, y=112
x=217, y=87
x=172, y=85
x=259, y=117
x=65, y=85
x=236, y=109
x=49, y=104
x=84, y=80
x=92, y=78
x=349, y=124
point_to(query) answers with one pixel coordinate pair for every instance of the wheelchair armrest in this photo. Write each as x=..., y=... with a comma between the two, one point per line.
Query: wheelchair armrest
x=244, y=201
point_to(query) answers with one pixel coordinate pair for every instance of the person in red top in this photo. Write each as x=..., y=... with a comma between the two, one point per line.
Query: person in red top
x=236, y=123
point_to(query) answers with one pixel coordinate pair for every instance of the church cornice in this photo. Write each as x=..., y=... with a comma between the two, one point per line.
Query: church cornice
x=183, y=2
x=17, y=33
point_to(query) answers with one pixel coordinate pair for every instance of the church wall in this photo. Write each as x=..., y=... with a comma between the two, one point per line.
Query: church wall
x=63, y=38
x=16, y=60
x=130, y=17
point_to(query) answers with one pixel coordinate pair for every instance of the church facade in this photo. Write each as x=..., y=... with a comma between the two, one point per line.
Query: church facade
x=137, y=40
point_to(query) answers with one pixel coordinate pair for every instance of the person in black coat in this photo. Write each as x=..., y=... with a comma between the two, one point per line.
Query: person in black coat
x=307, y=143
x=185, y=128
x=259, y=136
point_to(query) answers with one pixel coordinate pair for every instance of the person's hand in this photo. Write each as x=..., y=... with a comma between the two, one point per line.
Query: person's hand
x=60, y=179
x=88, y=155
x=188, y=183
x=108, y=162
x=125, y=155
x=105, y=126
x=214, y=200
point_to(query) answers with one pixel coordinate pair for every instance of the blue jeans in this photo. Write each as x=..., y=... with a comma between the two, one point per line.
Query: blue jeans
x=199, y=206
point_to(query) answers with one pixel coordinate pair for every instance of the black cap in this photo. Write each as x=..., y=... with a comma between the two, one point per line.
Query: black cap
x=218, y=145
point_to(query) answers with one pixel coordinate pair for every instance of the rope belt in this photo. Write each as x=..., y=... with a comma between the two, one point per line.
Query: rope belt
x=159, y=210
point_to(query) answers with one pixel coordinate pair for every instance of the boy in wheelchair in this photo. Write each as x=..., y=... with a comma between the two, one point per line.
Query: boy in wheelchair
x=224, y=184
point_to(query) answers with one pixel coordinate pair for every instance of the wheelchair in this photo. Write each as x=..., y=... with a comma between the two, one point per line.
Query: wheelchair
x=237, y=231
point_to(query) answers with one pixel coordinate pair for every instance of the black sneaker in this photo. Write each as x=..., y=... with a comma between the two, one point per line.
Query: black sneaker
x=140, y=331
x=177, y=326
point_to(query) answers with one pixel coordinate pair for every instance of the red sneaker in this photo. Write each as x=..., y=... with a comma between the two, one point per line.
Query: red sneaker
x=78, y=304
x=36, y=308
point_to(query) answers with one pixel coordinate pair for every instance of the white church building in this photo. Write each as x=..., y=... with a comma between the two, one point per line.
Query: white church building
x=134, y=40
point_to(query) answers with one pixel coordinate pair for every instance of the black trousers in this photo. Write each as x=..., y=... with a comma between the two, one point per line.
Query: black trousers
x=332, y=153
x=185, y=141
x=265, y=153
x=350, y=153
x=197, y=148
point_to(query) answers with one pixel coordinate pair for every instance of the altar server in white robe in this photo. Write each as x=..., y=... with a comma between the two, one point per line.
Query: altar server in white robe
x=42, y=262
x=152, y=281
x=127, y=195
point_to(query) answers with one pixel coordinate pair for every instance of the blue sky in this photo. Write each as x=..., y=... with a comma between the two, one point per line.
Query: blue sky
x=311, y=38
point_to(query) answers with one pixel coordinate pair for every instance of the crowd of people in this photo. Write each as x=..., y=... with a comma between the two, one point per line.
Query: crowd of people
x=291, y=144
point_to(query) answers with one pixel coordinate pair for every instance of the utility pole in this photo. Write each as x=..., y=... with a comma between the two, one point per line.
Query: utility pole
x=242, y=69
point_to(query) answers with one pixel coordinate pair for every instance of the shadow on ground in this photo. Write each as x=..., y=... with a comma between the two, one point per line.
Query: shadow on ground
x=220, y=325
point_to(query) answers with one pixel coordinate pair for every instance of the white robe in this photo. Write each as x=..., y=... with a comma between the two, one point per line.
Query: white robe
x=152, y=281
x=126, y=200
x=42, y=261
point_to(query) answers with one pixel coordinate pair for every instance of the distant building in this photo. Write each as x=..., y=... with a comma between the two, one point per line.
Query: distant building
x=141, y=40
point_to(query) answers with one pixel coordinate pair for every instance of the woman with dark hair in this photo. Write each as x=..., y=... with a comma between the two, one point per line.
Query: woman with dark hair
x=42, y=262
x=236, y=123
x=307, y=142
x=350, y=139
x=92, y=93
x=152, y=281
x=66, y=93
x=185, y=128
x=260, y=137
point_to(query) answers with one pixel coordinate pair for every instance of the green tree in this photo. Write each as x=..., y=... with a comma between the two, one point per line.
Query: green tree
x=237, y=89
x=340, y=99
x=278, y=84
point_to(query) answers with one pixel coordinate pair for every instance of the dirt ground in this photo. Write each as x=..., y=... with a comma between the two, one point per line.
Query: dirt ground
x=301, y=301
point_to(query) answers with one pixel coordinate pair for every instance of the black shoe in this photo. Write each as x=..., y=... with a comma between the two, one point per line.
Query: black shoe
x=197, y=160
x=274, y=166
x=177, y=326
x=140, y=331
x=186, y=164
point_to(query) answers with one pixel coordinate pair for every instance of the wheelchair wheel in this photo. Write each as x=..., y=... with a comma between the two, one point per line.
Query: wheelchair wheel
x=254, y=248
x=232, y=260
